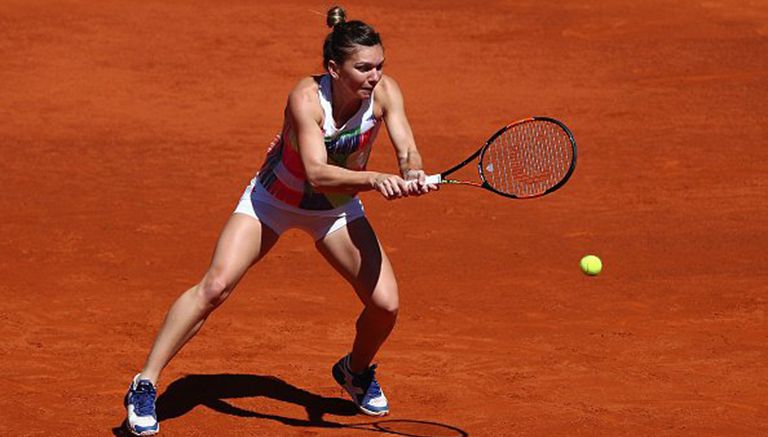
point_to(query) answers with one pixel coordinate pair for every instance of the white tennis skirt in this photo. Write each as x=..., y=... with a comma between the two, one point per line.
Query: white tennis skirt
x=258, y=203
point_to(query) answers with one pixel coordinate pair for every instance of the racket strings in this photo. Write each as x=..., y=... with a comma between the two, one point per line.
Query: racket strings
x=528, y=159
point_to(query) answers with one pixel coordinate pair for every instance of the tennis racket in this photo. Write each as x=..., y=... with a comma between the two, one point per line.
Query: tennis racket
x=525, y=159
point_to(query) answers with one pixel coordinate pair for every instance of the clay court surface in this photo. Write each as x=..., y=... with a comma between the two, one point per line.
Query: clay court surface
x=128, y=131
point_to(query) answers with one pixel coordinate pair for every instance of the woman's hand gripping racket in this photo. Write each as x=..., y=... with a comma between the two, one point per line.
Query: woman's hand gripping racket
x=528, y=158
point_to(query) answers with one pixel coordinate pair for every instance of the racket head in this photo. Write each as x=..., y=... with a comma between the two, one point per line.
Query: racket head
x=528, y=158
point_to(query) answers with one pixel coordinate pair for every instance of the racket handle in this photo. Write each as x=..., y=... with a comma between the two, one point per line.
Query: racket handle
x=431, y=179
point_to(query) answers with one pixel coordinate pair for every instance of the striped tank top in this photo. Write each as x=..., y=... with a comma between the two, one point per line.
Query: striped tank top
x=349, y=146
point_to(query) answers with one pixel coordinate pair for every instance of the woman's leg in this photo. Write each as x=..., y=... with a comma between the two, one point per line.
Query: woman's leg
x=243, y=241
x=355, y=252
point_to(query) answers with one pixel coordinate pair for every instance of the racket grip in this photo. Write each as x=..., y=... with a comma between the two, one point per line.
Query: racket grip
x=431, y=179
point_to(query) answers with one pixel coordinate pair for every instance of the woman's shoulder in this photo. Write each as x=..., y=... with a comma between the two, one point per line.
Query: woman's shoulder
x=387, y=88
x=306, y=86
x=387, y=85
x=387, y=92
x=303, y=96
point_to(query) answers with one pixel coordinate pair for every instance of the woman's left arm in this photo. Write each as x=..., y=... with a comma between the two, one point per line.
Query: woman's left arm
x=401, y=135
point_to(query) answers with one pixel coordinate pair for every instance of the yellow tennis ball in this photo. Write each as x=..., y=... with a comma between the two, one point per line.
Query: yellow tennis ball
x=591, y=265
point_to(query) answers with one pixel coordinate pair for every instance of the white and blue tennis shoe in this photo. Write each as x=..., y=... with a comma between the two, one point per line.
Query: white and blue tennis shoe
x=140, y=406
x=362, y=387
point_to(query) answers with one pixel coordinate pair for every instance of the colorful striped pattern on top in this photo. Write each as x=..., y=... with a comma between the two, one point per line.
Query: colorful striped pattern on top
x=349, y=146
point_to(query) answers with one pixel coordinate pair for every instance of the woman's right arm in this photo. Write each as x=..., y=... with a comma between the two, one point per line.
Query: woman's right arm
x=304, y=114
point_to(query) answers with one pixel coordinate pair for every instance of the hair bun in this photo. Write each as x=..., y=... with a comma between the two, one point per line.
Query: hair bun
x=336, y=15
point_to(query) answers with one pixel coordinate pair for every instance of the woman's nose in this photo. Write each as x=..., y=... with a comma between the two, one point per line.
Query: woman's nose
x=375, y=75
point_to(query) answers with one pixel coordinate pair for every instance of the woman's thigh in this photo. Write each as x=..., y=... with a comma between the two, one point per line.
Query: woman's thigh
x=355, y=252
x=243, y=241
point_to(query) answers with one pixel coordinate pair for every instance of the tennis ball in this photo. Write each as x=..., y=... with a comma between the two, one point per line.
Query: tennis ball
x=591, y=265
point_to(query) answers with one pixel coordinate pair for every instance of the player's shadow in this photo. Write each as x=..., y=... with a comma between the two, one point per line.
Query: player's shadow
x=213, y=391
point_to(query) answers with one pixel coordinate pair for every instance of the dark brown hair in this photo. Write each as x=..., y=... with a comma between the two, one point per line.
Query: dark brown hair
x=345, y=35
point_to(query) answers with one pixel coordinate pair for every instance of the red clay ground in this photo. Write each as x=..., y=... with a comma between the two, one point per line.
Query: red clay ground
x=129, y=130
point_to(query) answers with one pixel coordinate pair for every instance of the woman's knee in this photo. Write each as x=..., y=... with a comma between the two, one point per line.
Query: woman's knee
x=214, y=289
x=385, y=302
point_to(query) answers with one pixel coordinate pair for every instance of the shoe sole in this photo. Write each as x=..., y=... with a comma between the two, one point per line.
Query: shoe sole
x=373, y=413
x=142, y=433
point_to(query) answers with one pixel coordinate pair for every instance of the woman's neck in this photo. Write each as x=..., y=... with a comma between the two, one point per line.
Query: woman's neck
x=344, y=106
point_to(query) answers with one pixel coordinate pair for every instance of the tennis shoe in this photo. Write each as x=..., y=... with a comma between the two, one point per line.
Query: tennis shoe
x=365, y=391
x=140, y=406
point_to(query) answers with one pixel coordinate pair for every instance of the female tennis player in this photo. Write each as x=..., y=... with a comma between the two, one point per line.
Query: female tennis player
x=310, y=180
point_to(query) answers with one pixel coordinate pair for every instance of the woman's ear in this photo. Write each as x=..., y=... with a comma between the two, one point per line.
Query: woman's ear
x=333, y=69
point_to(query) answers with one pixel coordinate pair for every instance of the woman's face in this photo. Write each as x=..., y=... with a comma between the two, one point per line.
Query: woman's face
x=360, y=72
